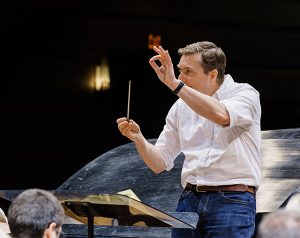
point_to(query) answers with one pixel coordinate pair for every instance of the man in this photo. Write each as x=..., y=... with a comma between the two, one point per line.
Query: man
x=35, y=213
x=216, y=124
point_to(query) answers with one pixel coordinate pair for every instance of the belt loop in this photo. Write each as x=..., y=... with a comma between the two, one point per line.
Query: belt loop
x=246, y=187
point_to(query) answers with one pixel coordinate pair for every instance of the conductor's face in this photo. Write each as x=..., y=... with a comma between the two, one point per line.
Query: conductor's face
x=192, y=74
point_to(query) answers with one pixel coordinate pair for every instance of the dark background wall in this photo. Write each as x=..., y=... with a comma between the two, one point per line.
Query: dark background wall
x=53, y=122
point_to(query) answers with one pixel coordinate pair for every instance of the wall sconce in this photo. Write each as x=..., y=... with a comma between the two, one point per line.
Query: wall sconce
x=153, y=40
x=102, y=77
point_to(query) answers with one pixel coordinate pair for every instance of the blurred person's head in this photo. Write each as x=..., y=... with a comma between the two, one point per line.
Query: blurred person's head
x=281, y=223
x=35, y=213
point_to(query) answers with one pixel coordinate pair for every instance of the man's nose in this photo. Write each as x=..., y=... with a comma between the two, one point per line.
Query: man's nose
x=182, y=78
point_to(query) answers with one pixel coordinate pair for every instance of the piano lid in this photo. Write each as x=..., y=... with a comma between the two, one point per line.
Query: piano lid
x=121, y=169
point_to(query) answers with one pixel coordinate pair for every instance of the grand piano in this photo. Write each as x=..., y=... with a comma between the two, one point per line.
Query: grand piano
x=121, y=169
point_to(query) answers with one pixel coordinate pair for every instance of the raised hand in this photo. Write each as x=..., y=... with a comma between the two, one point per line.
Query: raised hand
x=165, y=71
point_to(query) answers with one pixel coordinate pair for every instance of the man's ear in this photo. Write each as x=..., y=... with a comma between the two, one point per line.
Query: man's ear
x=50, y=232
x=213, y=74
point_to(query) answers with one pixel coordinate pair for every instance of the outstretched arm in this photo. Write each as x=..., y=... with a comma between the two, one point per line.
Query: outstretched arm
x=148, y=152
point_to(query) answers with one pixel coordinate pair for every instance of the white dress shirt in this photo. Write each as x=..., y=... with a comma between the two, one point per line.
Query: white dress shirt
x=216, y=155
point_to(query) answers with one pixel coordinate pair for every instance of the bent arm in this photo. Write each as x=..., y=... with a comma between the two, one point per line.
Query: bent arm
x=150, y=155
x=202, y=104
x=205, y=105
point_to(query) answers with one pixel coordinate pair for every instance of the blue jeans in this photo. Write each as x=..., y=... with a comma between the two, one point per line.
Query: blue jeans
x=221, y=214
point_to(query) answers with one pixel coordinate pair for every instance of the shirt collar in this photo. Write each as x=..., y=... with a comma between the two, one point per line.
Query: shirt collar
x=224, y=88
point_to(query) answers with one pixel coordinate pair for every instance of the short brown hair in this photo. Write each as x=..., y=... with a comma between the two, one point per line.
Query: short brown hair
x=32, y=211
x=212, y=56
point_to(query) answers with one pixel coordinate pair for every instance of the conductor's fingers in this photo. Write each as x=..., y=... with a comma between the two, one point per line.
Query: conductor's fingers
x=163, y=53
x=119, y=120
x=154, y=64
x=157, y=50
x=156, y=57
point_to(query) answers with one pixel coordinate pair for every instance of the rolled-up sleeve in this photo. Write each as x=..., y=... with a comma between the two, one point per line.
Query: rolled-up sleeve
x=243, y=107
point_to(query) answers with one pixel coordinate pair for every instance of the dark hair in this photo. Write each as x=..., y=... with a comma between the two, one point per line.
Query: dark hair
x=212, y=56
x=31, y=213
